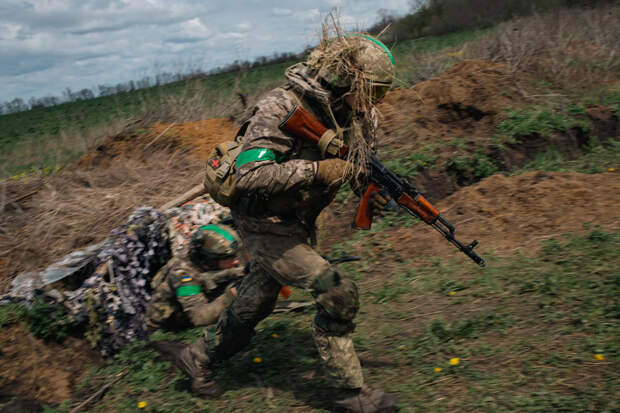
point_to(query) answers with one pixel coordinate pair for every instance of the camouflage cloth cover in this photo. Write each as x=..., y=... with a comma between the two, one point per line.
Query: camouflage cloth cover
x=186, y=219
x=113, y=297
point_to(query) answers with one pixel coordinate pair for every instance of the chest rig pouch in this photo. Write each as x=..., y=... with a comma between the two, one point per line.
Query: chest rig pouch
x=219, y=179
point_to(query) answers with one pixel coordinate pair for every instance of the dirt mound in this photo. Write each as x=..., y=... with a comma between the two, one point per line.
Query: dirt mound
x=46, y=217
x=516, y=213
x=200, y=136
x=461, y=103
x=448, y=125
x=32, y=368
x=195, y=138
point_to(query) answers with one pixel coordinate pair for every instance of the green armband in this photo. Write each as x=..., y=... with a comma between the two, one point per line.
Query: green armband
x=255, y=155
x=188, y=290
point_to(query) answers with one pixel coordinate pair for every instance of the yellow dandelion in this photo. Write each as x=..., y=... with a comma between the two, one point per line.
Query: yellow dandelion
x=141, y=405
x=611, y=169
x=258, y=360
x=454, y=361
x=437, y=369
x=451, y=293
x=275, y=335
x=599, y=357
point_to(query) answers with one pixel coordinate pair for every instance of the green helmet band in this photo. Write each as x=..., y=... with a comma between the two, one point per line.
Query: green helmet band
x=340, y=58
x=215, y=242
x=377, y=41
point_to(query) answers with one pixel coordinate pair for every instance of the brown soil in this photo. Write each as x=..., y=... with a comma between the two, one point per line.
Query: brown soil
x=34, y=369
x=506, y=214
x=47, y=217
x=463, y=102
x=457, y=114
x=194, y=138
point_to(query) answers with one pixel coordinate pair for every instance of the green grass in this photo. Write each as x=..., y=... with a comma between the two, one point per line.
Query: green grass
x=11, y=313
x=411, y=163
x=474, y=167
x=45, y=320
x=541, y=120
x=597, y=158
x=422, y=58
x=60, y=130
x=525, y=330
x=609, y=97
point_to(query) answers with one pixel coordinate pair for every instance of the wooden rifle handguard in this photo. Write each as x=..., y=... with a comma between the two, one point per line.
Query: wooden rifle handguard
x=300, y=123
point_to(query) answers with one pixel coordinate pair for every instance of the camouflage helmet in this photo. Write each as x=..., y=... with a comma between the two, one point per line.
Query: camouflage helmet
x=340, y=61
x=214, y=242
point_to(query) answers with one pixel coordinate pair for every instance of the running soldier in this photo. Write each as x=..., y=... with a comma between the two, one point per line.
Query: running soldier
x=283, y=183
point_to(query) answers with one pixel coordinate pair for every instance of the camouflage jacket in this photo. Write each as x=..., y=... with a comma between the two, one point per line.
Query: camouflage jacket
x=276, y=171
x=184, y=296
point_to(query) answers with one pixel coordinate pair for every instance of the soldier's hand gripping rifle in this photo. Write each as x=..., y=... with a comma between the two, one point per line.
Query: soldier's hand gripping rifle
x=300, y=123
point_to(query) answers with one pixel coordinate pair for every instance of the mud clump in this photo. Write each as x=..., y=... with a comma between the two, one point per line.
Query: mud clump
x=35, y=369
x=194, y=138
x=506, y=214
x=453, y=119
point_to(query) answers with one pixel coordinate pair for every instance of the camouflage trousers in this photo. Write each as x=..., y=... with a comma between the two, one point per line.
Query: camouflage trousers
x=289, y=260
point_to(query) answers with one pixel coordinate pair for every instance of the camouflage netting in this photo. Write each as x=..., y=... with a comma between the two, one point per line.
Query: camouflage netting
x=111, y=301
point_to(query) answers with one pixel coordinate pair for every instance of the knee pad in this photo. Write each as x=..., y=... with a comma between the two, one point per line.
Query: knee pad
x=337, y=297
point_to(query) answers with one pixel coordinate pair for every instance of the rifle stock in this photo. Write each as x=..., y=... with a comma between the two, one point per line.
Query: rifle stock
x=301, y=123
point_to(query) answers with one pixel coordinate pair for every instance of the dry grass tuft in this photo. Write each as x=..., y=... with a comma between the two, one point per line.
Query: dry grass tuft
x=337, y=57
x=572, y=48
x=44, y=153
x=75, y=208
x=192, y=102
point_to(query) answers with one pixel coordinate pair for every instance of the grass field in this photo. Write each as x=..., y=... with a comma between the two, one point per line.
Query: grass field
x=536, y=330
x=43, y=139
x=49, y=137
x=529, y=333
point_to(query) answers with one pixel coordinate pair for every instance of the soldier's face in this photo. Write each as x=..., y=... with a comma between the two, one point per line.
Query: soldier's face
x=228, y=263
x=349, y=99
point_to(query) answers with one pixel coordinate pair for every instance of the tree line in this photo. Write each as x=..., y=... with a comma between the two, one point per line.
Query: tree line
x=427, y=18
x=163, y=78
x=435, y=17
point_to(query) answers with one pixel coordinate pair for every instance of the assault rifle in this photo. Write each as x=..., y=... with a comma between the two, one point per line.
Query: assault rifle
x=300, y=123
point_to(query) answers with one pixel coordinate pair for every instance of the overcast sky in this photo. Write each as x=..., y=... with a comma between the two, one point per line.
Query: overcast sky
x=47, y=45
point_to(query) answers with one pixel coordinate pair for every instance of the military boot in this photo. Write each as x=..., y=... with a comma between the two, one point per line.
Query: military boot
x=366, y=400
x=194, y=362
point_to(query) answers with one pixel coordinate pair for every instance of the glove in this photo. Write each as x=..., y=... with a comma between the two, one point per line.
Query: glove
x=332, y=172
x=378, y=202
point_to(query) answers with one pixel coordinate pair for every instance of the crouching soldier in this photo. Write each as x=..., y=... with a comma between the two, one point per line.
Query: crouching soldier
x=196, y=286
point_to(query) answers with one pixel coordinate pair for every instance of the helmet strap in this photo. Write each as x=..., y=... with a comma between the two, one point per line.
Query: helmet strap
x=339, y=131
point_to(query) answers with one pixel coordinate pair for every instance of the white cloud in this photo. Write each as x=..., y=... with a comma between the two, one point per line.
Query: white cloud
x=244, y=26
x=281, y=12
x=311, y=14
x=9, y=31
x=47, y=45
x=232, y=35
